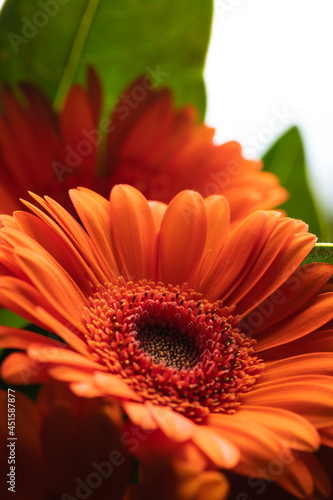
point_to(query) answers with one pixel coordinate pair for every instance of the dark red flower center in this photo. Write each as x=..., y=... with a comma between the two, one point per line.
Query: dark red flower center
x=172, y=347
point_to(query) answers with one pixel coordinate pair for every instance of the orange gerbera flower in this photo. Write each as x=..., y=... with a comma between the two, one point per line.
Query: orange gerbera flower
x=146, y=143
x=214, y=341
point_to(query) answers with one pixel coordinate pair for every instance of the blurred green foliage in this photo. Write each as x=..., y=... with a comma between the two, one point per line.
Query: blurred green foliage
x=286, y=159
x=50, y=42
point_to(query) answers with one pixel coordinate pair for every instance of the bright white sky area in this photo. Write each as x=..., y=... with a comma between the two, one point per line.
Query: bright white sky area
x=273, y=59
x=270, y=66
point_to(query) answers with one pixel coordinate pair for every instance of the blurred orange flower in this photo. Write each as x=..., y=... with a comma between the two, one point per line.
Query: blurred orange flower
x=65, y=447
x=146, y=142
x=246, y=488
x=214, y=341
x=183, y=482
x=70, y=447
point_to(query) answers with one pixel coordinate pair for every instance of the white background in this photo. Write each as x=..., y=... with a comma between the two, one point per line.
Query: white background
x=268, y=57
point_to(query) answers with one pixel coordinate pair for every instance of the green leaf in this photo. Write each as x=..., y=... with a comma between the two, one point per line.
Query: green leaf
x=322, y=252
x=8, y=318
x=286, y=159
x=50, y=42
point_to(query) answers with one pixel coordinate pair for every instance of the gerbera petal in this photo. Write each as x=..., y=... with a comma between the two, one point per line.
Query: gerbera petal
x=244, y=199
x=267, y=445
x=255, y=459
x=183, y=232
x=100, y=383
x=321, y=480
x=140, y=415
x=318, y=341
x=133, y=232
x=9, y=266
x=21, y=298
x=19, y=369
x=16, y=121
x=173, y=424
x=15, y=338
x=300, y=482
x=303, y=284
x=278, y=232
x=72, y=335
x=121, y=128
x=289, y=258
x=72, y=233
x=316, y=313
x=157, y=118
x=309, y=396
x=81, y=388
x=93, y=211
x=52, y=354
x=75, y=375
x=293, y=429
x=233, y=257
x=39, y=237
x=218, y=220
x=318, y=363
x=114, y=386
x=221, y=450
x=8, y=221
x=54, y=283
x=76, y=120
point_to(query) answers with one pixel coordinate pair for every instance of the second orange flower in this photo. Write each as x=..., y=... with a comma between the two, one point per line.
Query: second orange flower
x=145, y=142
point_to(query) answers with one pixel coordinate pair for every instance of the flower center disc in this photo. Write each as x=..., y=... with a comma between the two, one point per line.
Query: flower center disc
x=165, y=342
x=171, y=346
